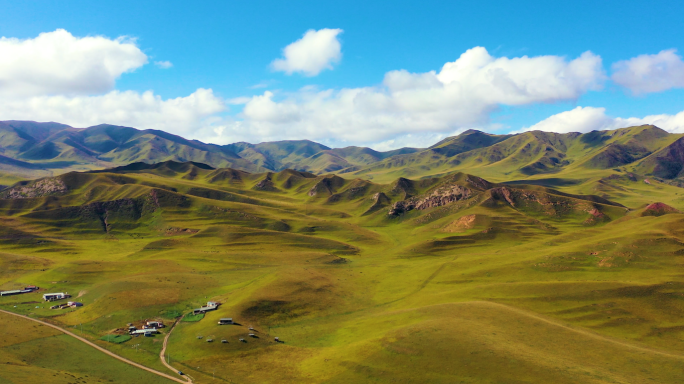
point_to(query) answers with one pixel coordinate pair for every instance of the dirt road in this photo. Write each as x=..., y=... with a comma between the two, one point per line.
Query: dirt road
x=114, y=355
x=163, y=350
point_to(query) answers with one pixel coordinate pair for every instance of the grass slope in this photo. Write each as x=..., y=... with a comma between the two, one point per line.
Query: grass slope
x=536, y=280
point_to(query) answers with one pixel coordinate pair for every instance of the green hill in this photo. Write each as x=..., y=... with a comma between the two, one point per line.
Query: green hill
x=447, y=278
x=31, y=150
x=536, y=154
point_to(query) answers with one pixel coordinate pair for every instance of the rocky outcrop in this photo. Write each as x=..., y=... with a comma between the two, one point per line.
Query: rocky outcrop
x=658, y=209
x=266, y=184
x=441, y=196
x=557, y=205
x=44, y=187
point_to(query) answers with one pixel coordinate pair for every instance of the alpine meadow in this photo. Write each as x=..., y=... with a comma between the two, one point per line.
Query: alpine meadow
x=484, y=258
x=387, y=192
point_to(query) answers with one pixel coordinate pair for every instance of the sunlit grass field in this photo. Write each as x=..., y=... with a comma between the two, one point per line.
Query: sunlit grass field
x=518, y=296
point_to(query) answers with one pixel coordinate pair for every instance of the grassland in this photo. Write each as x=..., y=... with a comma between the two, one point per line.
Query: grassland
x=34, y=353
x=116, y=339
x=542, y=281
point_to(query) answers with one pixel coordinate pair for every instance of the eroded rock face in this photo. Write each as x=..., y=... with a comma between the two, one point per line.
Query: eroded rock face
x=266, y=185
x=439, y=197
x=45, y=187
x=658, y=209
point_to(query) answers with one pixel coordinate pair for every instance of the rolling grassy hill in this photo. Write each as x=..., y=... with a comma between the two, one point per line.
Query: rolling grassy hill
x=524, y=276
x=33, y=150
x=647, y=150
x=30, y=150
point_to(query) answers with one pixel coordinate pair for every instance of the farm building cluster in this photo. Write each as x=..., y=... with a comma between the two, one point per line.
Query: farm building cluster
x=56, y=296
x=211, y=306
x=27, y=289
x=149, y=329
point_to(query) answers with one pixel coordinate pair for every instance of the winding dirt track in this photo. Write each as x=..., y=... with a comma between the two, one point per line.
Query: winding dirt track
x=166, y=340
x=114, y=355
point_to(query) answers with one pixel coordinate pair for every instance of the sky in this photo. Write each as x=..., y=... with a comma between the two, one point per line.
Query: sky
x=383, y=74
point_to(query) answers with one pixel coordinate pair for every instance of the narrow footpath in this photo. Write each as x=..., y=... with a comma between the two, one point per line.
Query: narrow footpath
x=112, y=354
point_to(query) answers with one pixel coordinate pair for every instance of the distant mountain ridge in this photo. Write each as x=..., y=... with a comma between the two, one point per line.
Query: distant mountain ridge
x=646, y=149
x=26, y=147
x=31, y=149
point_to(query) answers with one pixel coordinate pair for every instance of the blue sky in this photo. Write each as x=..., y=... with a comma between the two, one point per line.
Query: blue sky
x=229, y=47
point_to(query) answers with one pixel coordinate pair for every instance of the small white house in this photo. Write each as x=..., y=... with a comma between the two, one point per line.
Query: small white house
x=55, y=296
x=211, y=306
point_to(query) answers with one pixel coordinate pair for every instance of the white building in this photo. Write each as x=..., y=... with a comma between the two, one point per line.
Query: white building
x=55, y=296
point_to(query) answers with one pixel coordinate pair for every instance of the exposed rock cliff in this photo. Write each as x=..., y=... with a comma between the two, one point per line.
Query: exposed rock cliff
x=44, y=187
x=266, y=184
x=441, y=196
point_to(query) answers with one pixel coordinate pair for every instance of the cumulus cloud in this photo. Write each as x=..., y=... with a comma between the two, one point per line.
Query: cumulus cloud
x=587, y=119
x=650, y=73
x=182, y=115
x=59, y=77
x=461, y=95
x=163, y=64
x=60, y=63
x=580, y=119
x=314, y=52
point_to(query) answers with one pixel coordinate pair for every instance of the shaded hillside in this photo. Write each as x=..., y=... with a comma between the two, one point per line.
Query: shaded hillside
x=535, y=153
x=667, y=163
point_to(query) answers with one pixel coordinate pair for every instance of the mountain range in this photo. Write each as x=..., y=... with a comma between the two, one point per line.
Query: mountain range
x=30, y=149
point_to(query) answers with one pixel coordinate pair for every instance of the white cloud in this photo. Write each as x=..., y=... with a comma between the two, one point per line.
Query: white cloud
x=314, y=52
x=587, y=119
x=163, y=64
x=672, y=123
x=59, y=63
x=414, y=140
x=263, y=84
x=59, y=77
x=650, y=73
x=462, y=94
x=239, y=100
x=182, y=116
x=580, y=119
